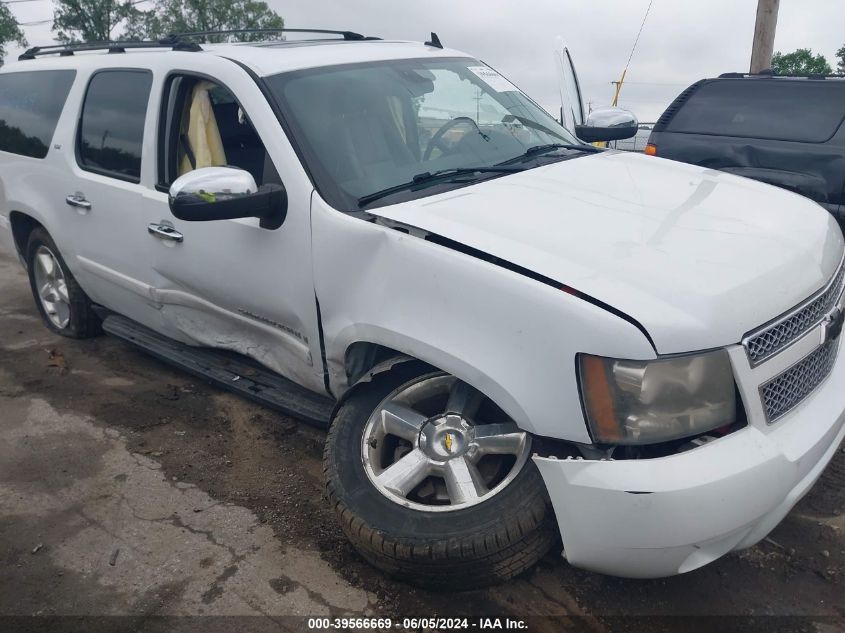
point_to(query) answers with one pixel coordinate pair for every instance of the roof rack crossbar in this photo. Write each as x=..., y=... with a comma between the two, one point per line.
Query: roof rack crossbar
x=347, y=35
x=67, y=50
x=770, y=75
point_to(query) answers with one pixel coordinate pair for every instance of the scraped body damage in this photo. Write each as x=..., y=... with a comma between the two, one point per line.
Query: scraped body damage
x=512, y=337
x=274, y=349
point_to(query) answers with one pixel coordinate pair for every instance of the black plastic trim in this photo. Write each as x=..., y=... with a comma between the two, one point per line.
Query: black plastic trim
x=326, y=381
x=434, y=41
x=67, y=50
x=350, y=36
x=231, y=371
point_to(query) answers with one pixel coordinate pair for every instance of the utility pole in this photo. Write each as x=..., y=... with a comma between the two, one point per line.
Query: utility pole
x=764, y=35
x=618, y=88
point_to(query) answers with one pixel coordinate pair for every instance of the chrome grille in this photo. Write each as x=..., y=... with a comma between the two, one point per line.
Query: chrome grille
x=788, y=389
x=769, y=340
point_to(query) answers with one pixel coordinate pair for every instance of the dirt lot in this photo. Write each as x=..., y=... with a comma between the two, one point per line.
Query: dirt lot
x=128, y=488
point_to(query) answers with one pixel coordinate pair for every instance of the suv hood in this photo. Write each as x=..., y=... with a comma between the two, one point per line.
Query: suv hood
x=699, y=257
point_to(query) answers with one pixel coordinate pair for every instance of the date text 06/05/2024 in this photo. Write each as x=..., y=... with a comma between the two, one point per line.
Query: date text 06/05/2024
x=382, y=624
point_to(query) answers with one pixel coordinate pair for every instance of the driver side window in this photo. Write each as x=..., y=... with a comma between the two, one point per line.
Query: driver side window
x=205, y=126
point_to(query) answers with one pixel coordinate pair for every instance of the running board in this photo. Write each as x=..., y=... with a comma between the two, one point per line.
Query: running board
x=230, y=371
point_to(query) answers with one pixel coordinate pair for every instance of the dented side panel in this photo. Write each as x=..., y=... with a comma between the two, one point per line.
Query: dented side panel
x=512, y=337
x=231, y=284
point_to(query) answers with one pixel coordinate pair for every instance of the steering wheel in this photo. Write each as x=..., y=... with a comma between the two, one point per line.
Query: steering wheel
x=436, y=140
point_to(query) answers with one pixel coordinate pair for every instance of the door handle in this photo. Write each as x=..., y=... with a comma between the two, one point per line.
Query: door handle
x=78, y=200
x=165, y=232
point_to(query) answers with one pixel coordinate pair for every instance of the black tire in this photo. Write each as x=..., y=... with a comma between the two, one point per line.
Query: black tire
x=458, y=550
x=83, y=322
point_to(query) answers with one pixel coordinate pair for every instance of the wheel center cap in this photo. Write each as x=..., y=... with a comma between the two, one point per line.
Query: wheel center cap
x=445, y=437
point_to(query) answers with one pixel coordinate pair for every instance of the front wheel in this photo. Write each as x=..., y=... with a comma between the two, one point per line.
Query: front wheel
x=434, y=483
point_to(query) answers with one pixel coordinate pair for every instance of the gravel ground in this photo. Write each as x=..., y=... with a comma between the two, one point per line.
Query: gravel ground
x=130, y=489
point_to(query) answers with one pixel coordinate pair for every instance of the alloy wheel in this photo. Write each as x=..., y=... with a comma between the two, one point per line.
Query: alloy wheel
x=52, y=288
x=437, y=444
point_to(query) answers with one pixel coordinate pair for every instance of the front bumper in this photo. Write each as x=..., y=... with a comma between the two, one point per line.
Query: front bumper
x=659, y=517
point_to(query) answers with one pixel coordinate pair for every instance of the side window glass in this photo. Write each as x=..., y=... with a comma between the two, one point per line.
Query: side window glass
x=205, y=126
x=111, y=131
x=30, y=106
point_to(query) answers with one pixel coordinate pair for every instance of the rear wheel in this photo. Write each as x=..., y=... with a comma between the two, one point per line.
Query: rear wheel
x=64, y=307
x=434, y=483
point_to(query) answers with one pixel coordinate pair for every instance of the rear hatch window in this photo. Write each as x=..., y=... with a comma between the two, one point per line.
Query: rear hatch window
x=809, y=111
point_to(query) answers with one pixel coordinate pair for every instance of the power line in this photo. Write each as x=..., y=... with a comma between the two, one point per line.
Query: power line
x=33, y=23
x=50, y=20
x=636, y=41
x=21, y=1
x=619, y=83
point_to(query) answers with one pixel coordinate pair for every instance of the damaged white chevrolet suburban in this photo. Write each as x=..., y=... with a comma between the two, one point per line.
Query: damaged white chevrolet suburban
x=514, y=337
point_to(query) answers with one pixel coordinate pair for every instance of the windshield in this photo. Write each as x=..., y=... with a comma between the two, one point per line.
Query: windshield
x=364, y=128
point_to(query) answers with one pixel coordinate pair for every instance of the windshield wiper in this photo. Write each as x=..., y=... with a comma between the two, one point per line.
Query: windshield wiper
x=427, y=178
x=539, y=150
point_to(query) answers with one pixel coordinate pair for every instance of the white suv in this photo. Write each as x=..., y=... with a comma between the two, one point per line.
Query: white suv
x=514, y=336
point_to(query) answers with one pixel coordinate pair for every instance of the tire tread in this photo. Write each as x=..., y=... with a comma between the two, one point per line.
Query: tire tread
x=497, y=553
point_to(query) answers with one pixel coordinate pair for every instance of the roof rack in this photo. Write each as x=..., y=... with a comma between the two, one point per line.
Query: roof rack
x=768, y=74
x=67, y=50
x=347, y=35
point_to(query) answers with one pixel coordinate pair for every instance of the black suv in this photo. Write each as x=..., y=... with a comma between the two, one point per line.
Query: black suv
x=786, y=131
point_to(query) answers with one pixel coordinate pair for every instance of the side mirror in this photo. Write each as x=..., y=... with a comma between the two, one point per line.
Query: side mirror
x=607, y=124
x=225, y=193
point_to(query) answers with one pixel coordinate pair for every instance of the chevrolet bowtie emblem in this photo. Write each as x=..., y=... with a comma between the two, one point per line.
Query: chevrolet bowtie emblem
x=447, y=442
x=833, y=325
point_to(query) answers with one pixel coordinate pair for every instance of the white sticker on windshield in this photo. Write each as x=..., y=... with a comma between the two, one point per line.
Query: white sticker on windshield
x=492, y=79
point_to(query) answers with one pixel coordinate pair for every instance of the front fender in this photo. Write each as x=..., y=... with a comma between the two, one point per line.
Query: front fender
x=512, y=337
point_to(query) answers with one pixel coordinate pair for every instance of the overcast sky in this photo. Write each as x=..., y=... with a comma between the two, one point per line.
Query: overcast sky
x=682, y=41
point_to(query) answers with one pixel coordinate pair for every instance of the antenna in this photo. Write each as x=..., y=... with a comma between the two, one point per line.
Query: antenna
x=435, y=41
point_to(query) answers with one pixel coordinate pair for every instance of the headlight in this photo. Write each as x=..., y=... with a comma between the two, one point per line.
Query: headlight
x=646, y=402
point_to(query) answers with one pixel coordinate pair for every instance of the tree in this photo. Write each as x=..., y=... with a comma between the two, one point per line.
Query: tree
x=9, y=31
x=90, y=20
x=841, y=55
x=800, y=62
x=181, y=16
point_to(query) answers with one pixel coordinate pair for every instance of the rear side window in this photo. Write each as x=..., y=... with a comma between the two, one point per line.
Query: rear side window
x=30, y=106
x=779, y=109
x=111, y=131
